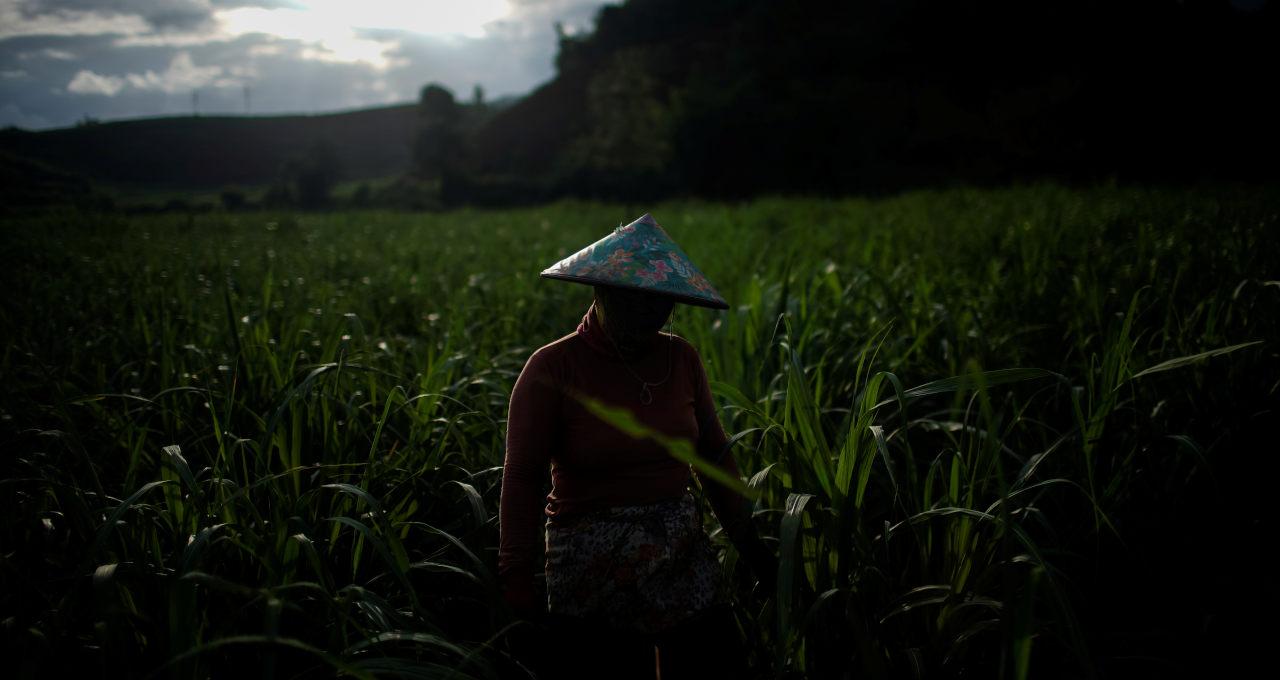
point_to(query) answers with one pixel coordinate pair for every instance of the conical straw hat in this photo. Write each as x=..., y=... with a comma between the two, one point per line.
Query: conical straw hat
x=639, y=256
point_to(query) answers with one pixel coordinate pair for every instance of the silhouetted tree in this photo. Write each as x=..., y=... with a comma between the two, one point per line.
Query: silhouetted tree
x=233, y=198
x=626, y=149
x=362, y=197
x=278, y=196
x=437, y=144
x=312, y=175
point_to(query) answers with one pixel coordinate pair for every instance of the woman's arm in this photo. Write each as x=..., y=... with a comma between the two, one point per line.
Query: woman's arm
x=733, y=511
x=532, y=434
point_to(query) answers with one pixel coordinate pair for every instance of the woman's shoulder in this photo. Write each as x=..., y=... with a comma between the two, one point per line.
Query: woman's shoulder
x=681, y=343
x=684, y=350
x=555, y=350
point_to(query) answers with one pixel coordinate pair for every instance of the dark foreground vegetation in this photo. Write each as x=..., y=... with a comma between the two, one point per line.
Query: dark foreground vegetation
x=996, y=433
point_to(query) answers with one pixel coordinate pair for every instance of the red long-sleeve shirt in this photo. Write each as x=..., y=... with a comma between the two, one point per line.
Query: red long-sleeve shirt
x=594, y=465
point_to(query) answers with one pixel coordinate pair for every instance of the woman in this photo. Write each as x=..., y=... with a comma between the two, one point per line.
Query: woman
x=628, y=566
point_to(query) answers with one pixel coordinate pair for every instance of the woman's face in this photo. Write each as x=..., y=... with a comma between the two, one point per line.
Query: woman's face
x=633, y=313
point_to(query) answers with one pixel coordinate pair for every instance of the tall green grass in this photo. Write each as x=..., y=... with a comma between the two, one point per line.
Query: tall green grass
x=276, y=440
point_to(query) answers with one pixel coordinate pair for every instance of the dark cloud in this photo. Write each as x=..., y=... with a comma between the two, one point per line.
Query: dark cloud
x=31, y=8
x=161, y=14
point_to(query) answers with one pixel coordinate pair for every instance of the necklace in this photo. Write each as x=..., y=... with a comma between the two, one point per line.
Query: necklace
x=646, y=393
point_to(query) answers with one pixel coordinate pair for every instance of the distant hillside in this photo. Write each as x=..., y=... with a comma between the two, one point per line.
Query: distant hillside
x=196, y=152
x=25, y=183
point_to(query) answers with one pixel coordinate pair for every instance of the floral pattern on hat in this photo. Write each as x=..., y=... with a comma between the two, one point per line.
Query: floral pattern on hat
x=641, y=256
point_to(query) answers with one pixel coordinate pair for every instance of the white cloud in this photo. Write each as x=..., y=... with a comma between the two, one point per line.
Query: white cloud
x=375, y=85
x=13, y=74
x=182, y=76
x=47, y=53
x=172, y=39
x=265, y=50
x=88, y=82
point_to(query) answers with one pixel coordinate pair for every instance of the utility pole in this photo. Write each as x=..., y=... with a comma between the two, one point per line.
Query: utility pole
x=246, y=100
x=195, y=103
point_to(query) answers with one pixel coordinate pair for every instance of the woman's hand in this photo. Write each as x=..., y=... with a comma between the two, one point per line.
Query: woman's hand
x=520, y=596
x=762, y=560
x=760, y=557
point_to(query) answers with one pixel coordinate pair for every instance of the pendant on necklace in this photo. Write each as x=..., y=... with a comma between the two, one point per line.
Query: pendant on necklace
x=646, y=397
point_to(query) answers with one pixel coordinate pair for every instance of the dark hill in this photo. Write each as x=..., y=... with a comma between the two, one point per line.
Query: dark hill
x=725, y=98
x=206, y=152
x=25, y=183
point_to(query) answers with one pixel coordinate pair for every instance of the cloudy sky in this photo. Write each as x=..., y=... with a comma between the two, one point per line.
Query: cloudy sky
x=64, y=60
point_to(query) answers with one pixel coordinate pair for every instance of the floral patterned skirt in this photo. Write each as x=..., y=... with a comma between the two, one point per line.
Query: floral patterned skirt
x=642, y=567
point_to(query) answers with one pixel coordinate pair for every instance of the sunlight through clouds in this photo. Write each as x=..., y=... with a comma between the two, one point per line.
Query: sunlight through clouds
x=328, y=38
x=330, y=27
x=427, y=17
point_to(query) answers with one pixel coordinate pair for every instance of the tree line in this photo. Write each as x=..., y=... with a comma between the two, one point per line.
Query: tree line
x=732, y=98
